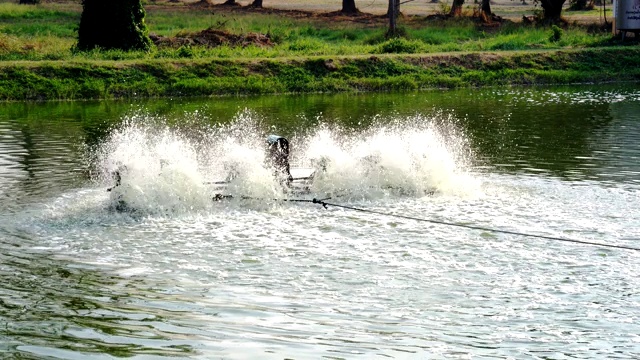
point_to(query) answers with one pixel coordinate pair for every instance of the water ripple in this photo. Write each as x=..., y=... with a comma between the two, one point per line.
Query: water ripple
x=246, y=279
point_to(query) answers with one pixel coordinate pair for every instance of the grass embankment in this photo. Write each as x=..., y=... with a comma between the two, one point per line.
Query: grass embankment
x=315, y=54
x=153, y=78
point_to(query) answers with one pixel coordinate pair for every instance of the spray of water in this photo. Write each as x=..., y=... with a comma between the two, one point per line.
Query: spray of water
x=164, y=168
x=156, y=167
x=411, y=156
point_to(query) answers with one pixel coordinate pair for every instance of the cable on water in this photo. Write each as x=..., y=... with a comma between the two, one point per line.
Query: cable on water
x=219, y=197
x=439, y=222
x=473, y=227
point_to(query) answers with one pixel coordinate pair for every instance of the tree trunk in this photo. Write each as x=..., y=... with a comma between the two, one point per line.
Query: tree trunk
x=392, y=12
x=397, y=7
x=486, y=11
x=582, y=5
x=456, y=8
x=230, y=2
x=551, y=10
x=116, y=24
x=349, y=7
x=257, y=3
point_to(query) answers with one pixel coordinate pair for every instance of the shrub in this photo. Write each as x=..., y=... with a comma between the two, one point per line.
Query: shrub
x=305, y=45
x=185, y=52
x=556, y=33
x=399, y=46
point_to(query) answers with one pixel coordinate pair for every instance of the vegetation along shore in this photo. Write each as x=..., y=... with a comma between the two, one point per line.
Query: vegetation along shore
x=204, y=49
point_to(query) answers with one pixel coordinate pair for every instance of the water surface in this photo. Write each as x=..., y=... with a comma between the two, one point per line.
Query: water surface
x=189, y=278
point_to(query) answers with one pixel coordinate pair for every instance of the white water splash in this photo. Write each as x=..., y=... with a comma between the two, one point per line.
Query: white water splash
x=162, y=169
x=158, y=167
x=412, y=157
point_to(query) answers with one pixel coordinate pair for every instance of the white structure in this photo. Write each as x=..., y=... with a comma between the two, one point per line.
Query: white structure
x=627, y=16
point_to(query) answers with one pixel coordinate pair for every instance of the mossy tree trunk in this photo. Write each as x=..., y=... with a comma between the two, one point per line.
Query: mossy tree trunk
x=114, y=24
x=349, y=7
x=456, y=8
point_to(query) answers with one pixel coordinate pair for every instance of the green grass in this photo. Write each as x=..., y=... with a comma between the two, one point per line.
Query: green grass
x=53, y=35
x=10, y=11
x=158, y=78
x=309, y=55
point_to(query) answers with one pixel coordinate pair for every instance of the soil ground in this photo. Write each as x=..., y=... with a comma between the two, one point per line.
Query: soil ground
x=508, y=9
x=212, y=38
x=512, y=10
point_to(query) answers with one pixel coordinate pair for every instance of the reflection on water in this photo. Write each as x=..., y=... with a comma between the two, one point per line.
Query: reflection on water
x=261, y=280
x=576, y=139
x=33, y=159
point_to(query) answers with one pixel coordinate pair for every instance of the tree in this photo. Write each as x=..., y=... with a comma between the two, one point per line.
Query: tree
x=485, y=10
x=393, y=5
x=581, y=4
x=256, y=3
x=551, y=10
x=392, y=12
x=349, y=7
x=114, y=24
x=456, y=8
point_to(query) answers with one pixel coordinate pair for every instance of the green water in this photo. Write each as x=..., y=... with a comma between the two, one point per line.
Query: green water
x=237, y=280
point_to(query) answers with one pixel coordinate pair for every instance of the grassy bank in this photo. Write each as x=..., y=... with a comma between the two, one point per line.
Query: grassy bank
x=309, y=53
x=162, y=78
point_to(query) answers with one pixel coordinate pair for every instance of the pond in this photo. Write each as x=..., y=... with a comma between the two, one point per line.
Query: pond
x=180, y=275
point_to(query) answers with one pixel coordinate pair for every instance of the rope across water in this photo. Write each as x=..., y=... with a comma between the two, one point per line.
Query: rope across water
x=326, y=204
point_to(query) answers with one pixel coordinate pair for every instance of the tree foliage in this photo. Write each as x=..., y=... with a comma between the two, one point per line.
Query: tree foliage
x=114, y=24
